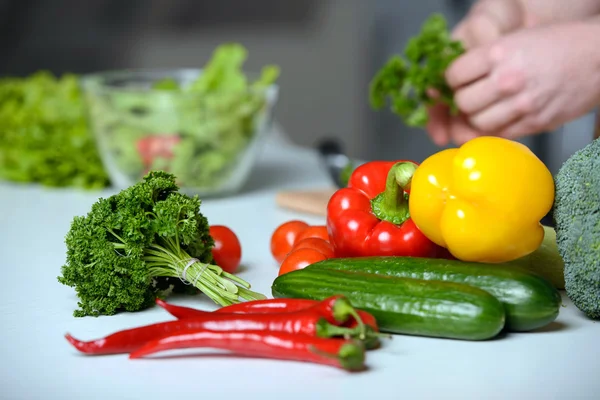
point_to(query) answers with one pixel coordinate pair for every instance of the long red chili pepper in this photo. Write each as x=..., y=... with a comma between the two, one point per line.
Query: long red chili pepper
x=307, y=322
x=269, y=306
x=266, y=306
x=346, y=354
x=275, y=306
x=335, y=309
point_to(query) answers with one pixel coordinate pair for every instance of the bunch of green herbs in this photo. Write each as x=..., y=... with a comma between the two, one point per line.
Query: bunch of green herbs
x=144, y=242
x=406, y=83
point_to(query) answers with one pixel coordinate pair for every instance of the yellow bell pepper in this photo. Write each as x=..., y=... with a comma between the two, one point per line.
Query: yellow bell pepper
x=484, y=200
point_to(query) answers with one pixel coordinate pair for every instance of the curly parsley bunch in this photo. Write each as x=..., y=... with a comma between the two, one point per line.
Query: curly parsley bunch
x=140, y=244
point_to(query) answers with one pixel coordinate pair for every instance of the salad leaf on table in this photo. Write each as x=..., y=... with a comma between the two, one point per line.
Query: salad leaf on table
x=44, y=137
x=404, y=82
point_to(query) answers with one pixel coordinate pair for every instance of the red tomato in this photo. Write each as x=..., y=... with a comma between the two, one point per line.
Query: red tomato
x=321, y=245
x=316, y=231
x=299, y=259
x=284, y=237
x=153, y=146
x=227, y=251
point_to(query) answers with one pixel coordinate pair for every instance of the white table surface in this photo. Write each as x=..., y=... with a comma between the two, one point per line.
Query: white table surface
x=559, y=362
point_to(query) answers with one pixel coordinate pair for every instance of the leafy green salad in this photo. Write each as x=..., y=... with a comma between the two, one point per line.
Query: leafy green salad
x=85, y=131
x=44, y=137
x=197, y=129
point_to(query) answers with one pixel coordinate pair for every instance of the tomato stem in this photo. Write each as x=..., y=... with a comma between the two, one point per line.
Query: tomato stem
x=392, y=204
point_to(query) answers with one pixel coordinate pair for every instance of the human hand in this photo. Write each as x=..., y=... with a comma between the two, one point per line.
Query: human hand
x=488, y=20
x=523, y=83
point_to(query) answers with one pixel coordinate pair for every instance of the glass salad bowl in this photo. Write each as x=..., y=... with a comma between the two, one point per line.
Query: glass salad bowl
x=182, y=121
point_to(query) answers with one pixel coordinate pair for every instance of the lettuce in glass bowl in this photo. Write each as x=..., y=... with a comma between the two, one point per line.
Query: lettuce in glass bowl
x=205, y=125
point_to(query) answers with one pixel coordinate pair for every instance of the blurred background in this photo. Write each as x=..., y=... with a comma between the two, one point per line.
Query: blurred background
x=328, y=51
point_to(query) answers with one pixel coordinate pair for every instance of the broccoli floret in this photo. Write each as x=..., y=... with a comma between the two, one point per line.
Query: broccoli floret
x=577, y=217
x=121, y=255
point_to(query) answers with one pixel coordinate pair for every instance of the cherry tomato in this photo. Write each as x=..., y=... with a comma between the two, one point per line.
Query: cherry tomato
x=316, y=231
x=316, y=243
x=227, y=251
x=284, y=237
x=299, y=259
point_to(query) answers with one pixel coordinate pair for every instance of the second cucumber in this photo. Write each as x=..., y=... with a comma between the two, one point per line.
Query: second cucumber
x=403, y=305
x=530, y=301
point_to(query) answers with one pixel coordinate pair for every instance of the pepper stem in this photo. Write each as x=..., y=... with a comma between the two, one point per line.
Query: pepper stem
x=368, y=336
x=342, y=310
x=351, y=356
x=392, y=204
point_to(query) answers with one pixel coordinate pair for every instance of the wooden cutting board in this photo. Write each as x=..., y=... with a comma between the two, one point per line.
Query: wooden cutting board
x=305, y=201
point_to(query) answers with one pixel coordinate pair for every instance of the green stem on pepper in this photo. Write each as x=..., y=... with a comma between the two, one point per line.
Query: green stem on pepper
x=368, y=336
x=392, y=204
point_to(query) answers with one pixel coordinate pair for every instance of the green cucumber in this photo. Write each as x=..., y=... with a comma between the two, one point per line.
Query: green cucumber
x=530, y=300
x=403, y=305
x=545, y=260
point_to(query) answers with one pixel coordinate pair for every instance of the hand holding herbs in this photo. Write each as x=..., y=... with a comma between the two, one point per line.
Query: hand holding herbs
x=140, y=244
x=404, y=83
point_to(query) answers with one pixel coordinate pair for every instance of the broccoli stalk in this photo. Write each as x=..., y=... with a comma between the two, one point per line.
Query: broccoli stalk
x=577, y=217
x=143, y=243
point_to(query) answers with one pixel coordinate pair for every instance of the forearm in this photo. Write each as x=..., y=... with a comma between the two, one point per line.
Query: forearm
x=550, y=11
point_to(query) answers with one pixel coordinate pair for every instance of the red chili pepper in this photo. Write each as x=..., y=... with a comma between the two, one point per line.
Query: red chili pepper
x=370, y=217
x=309, y=322
x=346, y=354
x=275, y=306
x=269, y=306
x=335, y=309
x=266, y=306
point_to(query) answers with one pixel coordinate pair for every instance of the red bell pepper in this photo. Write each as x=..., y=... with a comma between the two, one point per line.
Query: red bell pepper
x=370, y=217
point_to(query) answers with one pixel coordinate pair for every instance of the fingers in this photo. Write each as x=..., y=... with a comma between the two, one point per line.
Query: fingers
x=477, y=30
x=519, y=128
x=488, y=20
x=460, y=131
x=505, y=16
x=474, y=64
x=528, y=125
x=495, y=117
x=495, y=101
x=438, y=124
x=444, y=128
x=477, y=96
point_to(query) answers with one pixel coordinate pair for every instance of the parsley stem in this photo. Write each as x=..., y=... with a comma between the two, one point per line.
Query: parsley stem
x=220, y=286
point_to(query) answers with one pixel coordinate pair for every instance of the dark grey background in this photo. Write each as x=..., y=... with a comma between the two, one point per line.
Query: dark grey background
x=328, y=51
